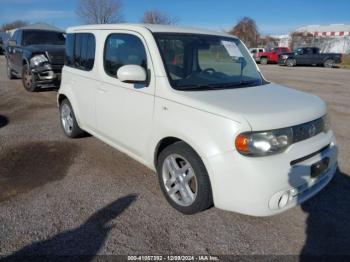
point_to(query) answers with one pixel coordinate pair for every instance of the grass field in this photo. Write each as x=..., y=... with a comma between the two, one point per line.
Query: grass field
x=346, y=62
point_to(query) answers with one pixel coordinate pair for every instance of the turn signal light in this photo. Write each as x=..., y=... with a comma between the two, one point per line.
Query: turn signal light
x=241, y=143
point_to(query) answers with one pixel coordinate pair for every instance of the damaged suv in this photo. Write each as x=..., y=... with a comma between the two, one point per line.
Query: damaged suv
x=36, y=56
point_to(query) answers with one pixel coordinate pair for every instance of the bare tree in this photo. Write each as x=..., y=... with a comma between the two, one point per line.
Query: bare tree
x=247, y=30
x=99, y=11
x=157, y=17
x=13, y=25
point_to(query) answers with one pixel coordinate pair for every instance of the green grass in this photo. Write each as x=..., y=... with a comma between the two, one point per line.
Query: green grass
x=346, y=62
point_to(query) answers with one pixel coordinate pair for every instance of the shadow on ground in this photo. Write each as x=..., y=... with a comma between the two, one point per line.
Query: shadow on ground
x=3, y=121
x=79, y=244
x=31, y=165
x=328, y=222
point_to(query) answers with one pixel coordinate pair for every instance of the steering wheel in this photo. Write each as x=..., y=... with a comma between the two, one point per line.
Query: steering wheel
x=209, y=71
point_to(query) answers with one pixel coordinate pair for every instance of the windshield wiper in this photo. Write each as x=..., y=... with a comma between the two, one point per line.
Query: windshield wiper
x=199, y=87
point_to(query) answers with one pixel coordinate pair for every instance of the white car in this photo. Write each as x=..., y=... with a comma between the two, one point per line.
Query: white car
x=255, y=51
x=193, y=106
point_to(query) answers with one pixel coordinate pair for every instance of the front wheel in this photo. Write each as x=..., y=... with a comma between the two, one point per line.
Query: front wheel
x=68, y=121
x=183, y=179
x=28, y=80
x=329, y=63
x=290, y=62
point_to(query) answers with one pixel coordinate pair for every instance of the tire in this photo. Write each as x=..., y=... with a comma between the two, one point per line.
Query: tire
x=28, y=79
x=68, y=121
x=263, y=61
x=188, y=191
x=329, y=63
x=290, y=62
x=10, y=74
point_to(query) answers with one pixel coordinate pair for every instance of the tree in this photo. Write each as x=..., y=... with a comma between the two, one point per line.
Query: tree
x=247, y=30
x=99, y=11
x=157, y=17
x=13, y=25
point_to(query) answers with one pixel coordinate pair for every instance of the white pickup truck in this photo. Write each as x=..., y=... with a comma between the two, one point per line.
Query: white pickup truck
x=193, y=106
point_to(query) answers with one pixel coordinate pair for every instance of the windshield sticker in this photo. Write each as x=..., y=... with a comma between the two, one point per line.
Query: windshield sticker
x=231, y=49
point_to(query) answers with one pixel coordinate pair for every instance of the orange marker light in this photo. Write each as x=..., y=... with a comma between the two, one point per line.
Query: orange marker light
x=241, y=143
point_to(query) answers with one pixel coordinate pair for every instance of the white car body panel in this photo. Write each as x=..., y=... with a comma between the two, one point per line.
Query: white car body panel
x=134, y=120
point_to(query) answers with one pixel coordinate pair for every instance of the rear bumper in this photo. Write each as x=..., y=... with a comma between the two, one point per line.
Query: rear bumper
x=256, y=186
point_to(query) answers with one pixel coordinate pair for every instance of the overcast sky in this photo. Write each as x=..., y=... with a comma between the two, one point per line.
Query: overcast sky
x=272, y=17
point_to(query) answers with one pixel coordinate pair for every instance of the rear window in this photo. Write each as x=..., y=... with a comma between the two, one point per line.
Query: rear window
x=80, y=51
x=41, y=37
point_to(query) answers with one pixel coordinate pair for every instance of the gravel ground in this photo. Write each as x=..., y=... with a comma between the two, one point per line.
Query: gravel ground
x=82, y=197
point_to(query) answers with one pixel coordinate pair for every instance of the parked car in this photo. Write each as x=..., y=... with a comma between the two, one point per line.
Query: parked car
x=255, y=51
x=36, y=56
x=3, y=42
x=310, y=56
x=193, y=106
x=271, y=56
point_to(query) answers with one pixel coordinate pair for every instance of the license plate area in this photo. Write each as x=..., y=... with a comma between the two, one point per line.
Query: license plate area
x=319, y=167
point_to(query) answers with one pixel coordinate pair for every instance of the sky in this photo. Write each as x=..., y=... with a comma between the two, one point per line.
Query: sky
x=272, y=17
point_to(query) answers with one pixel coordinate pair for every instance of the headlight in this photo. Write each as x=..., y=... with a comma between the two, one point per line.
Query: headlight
x=264, y=143
x=38, y=59
x=284, y=57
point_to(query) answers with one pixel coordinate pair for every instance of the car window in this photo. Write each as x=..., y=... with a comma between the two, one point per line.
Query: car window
x=80, y=51
x=253, y=51
x=42, y=37
x=123, y=49
x=223, y=60
x=309, y=51
x=201, y=62
x=15, y=37
x=261, y=50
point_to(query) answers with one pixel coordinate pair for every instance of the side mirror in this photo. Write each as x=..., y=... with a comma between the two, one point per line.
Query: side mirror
x=12, y=43
x=133, y=74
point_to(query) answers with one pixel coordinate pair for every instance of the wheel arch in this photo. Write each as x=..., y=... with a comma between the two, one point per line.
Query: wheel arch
x=167, y=141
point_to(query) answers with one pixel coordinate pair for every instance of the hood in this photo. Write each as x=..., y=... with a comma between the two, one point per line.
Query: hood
x=265, y=107
x=45, y=48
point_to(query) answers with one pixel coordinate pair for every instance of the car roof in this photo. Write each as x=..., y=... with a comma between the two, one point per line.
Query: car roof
x=151, y=27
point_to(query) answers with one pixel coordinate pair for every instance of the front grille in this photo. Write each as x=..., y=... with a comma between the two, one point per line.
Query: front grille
x=56, y=58
x=296, y=161
x=308, y=130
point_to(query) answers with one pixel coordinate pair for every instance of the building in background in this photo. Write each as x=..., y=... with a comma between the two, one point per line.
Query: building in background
x=333, y=38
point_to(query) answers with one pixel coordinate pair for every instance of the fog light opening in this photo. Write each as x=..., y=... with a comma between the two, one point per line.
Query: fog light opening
x=283, y=201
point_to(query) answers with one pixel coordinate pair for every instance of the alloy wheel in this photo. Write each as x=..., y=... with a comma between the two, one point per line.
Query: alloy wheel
x=67, y=118
x=179, y=180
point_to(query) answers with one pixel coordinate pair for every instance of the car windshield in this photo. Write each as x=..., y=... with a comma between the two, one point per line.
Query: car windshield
x=41, y=37
x=205, y=62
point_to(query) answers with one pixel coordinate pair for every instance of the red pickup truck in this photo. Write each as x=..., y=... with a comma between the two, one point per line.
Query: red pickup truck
x=271, y=56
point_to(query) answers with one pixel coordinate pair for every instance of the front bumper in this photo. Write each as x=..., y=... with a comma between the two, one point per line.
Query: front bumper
x=281, y=61
x=47, y=74
x=256, y=185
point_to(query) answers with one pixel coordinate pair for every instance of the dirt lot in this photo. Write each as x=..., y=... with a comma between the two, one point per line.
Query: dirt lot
x=65, y=197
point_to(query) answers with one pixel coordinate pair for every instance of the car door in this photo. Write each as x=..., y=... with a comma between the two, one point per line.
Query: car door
x=13, y=51
x=18, y=52
x=124, y=111
x=80, y=73
x=300, y=56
